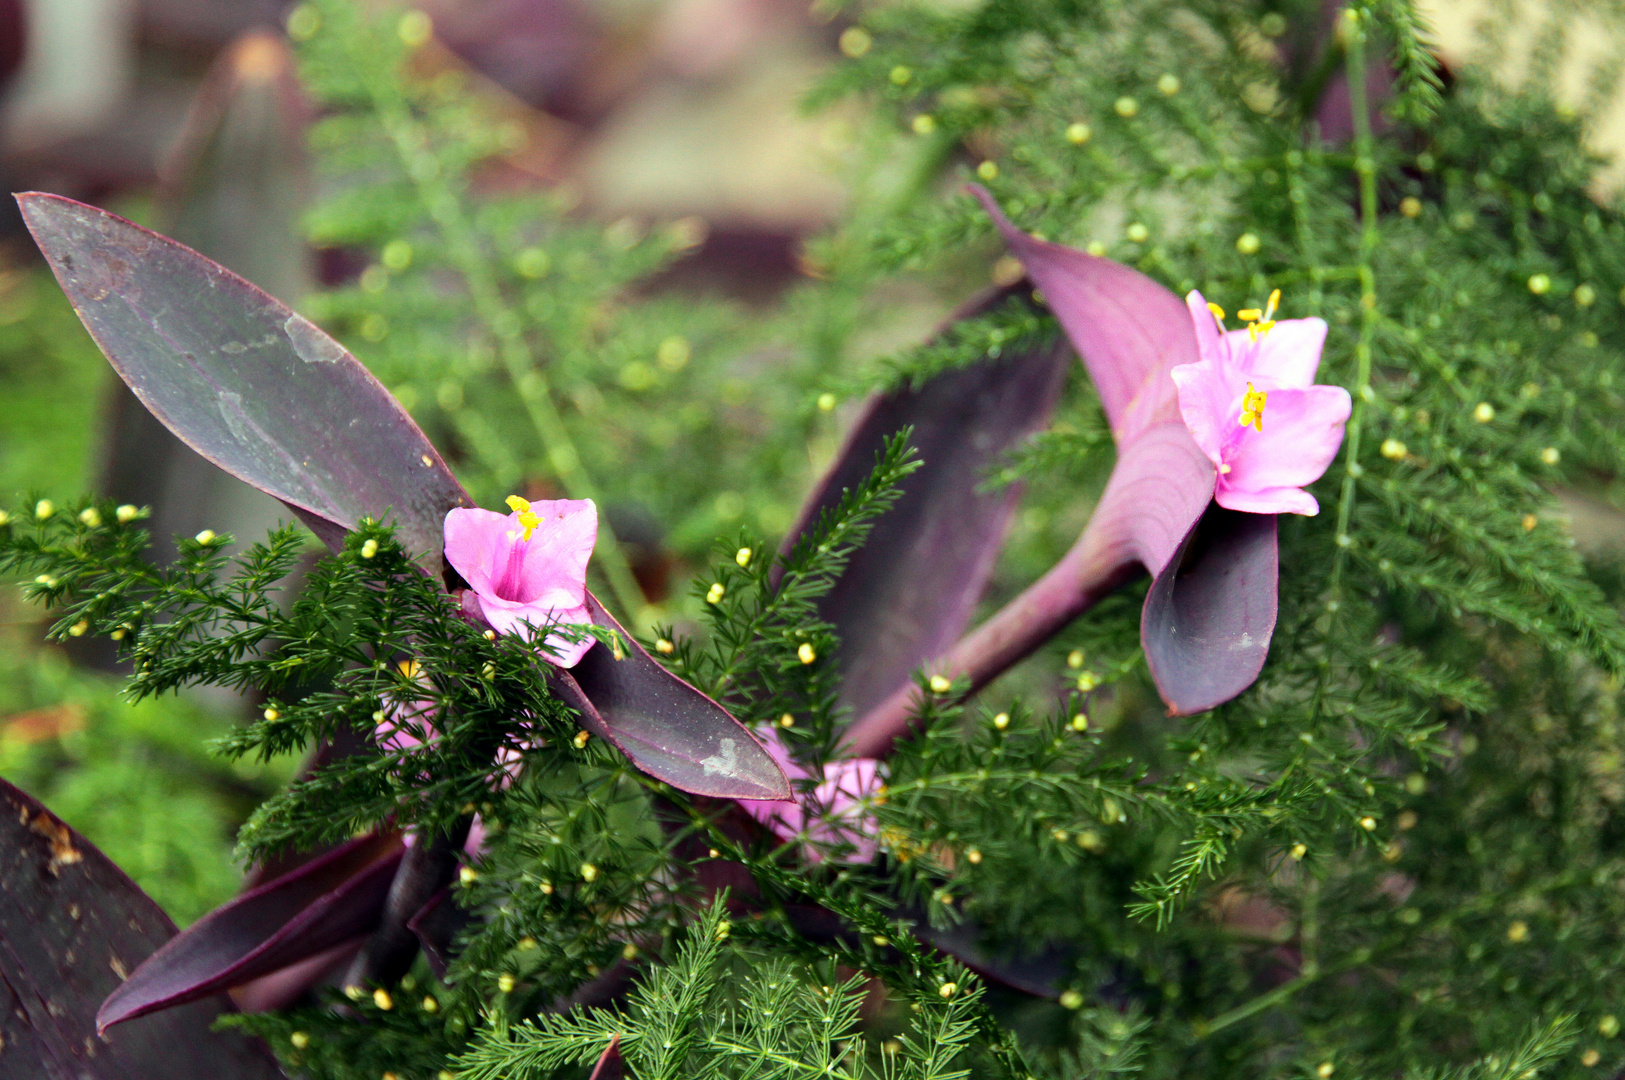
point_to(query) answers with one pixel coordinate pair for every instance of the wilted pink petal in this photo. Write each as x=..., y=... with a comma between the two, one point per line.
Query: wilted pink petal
x=1251, y=406
x=833, y=813
x=527, y=569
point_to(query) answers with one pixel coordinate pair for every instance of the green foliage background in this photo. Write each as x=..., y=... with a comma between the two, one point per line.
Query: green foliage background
x=1399, y=854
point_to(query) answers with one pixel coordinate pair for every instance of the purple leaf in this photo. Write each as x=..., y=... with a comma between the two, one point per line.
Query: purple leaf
x=327, y=903
x=243, y=380
x=665, y=726
x=1211, y=611
x=1129, y=330
x=1042, y=974
x=908, y=593
x=71, y=924
x=436, y=926
x=610, y=1066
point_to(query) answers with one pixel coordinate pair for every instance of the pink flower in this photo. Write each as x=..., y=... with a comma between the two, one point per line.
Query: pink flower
x=835, y=812
x=527, y=569
x=1252, y=407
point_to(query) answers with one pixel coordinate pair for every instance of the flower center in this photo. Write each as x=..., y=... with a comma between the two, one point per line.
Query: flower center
x=1252, y=409
x=527, y=519
x=1258, y=322
x=506, y=585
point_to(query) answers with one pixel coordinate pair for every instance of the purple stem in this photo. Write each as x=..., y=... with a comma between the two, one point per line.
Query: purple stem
x=1101, y=562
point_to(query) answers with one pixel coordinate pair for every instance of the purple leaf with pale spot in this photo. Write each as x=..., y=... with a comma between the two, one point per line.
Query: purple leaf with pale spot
x=246, y=382
x=71, y=925
x=671, y=730
x=328, y=903
x=909, y=591
x=268, y=397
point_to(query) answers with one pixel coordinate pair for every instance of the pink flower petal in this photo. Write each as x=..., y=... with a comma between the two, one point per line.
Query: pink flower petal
x=1303, y=430
x=467, y=533
x=1269, y=501
x=1208, y=335
x=554, y=566
x=839, y=814
x=1209, y=402
x=519, y=585
x=1289, y=354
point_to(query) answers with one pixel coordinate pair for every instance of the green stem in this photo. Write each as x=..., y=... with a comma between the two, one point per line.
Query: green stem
x=529, y=381
x=1365, y=168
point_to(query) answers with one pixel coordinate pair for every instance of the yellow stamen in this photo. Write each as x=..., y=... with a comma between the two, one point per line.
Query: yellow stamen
x=1218, y=313
x=527, y=520
x=1261, y=322
x=1252, y=408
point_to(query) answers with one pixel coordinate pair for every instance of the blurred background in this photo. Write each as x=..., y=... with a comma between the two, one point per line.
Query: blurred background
x=670, y=133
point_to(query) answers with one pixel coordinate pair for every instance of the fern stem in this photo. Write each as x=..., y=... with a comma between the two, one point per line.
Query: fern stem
x=449, y=215
x=1365, y=168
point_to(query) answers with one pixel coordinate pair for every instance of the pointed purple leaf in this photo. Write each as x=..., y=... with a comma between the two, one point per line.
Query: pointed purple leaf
x=1129, y=330
x=242, y=379
x=336, y=899
x=610, y=1066
x=1210, y=613
x=1041, y=974
x=71, y=924
x=436, y=926
x=908, y=593
x=665, y=726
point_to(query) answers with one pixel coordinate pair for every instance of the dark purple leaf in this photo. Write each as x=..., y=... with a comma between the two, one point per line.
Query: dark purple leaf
x=1210, y=613
x=665, y=726
x=610, y=1066
x=243, y=380
x=428, y=866
x=1129, y=330
x=1041, y=974
x=71, y=925
x=436, y=926
x=908, y=593
x=326, y=903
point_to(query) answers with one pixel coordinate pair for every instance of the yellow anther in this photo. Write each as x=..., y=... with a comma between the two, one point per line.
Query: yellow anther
x=527, y=519
x=1272, y=304
x=1218, y=313
x=1252, y=409
x=1250, y=314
